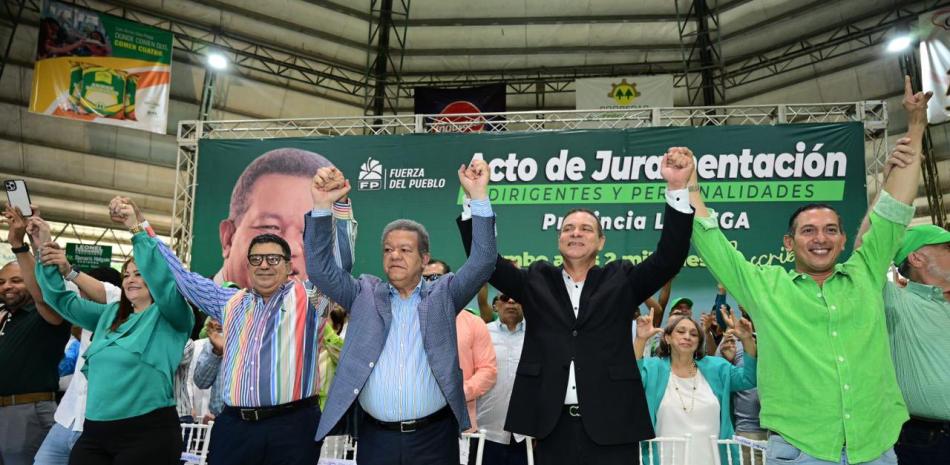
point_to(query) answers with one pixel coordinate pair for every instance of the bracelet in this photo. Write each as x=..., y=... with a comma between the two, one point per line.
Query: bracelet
x=143, y=226
x=693, y=187
x=21, y=249
x=73, y=274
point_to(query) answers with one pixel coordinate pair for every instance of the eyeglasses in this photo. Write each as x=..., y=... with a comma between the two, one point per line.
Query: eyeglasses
x=506, y=298
x=273, y=259
x=432, y=277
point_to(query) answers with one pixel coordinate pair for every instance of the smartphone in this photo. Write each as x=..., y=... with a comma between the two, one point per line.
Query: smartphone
x=719, y=319
x=18, y=196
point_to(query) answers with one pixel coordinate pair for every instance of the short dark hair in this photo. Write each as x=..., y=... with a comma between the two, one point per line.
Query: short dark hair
x=600, y=231
x=805, y=208
x=287, y=161
x=107, y=274
x=445, y=266
x=270, y=239
x=664, y=349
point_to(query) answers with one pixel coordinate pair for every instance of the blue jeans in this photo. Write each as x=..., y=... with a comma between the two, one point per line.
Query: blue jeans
x=57, y=445
x=781, y=452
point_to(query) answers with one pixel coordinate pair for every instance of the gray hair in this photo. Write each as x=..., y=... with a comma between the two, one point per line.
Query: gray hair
x=409, y=225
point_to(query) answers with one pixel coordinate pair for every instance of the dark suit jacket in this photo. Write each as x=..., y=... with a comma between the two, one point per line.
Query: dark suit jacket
x=599, y=341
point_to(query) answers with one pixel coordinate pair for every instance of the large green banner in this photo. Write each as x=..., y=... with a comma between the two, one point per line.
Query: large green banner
x=754, y=176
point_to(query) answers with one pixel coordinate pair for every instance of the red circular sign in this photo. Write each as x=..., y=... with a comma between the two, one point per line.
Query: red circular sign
x=467, y=123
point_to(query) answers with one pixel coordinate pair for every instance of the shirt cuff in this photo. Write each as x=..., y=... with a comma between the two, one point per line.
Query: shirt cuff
x=343, y=210
x=482, y=208
x=893, y=210
x=466, y=208
x=318, y=212
x=708, y=222
x=679, y=200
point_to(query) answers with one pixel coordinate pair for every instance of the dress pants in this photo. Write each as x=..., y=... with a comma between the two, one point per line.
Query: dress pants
x=434, y=444
x=150, y=439
x=569, y=444
x=923, y=442
x=281, y=440
x=22, y=429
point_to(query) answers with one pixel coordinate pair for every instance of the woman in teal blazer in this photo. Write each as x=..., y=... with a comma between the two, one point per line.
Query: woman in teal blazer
x=688, y=392
x=136, y=347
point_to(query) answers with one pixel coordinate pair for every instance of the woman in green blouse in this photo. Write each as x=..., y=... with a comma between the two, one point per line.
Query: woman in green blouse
x=131, y=362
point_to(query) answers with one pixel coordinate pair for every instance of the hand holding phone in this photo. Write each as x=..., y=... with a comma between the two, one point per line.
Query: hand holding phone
x=18, y=196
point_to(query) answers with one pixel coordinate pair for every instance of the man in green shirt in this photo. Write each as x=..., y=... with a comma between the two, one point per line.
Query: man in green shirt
x=918, y=320
x=827, y=386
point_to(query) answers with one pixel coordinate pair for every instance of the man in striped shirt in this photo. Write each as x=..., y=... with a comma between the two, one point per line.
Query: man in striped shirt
x=272, y=331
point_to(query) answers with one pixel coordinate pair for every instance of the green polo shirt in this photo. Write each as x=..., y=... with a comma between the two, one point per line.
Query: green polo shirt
x=918, y=318
x=825, y=374
x=30, y=351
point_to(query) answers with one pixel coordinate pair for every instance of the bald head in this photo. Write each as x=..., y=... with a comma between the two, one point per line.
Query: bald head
x=12, y=288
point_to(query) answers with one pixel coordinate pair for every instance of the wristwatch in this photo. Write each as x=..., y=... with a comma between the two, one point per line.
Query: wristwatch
x=73, y=274
x=21, y=249
x=143, y=226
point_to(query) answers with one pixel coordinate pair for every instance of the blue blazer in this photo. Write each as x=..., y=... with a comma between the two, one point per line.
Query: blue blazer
x=367, y=301
x=722, y=376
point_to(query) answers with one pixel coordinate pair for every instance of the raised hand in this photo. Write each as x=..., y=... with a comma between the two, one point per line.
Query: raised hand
x=123, y=211
x=16, y=223
x=215, y=336
x=38, y=229
x=645, y=328
x=915, y=104
x=328, y=186
x=53, y=254
x=902, y=156
x=474, y=179
x=741, y=327
x=677, y=167
x=728, y=346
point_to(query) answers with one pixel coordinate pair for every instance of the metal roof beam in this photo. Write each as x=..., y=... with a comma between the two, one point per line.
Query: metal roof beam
x=553, y=50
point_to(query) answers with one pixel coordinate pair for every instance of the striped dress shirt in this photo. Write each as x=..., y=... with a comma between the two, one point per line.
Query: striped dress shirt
x=401, y=386
x=271, y=346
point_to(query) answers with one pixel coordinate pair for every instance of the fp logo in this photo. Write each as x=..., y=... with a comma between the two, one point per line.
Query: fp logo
x=371, y=175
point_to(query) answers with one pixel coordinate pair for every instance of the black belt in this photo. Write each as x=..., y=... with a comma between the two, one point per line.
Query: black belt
x=263, y=413
x=412, y=425
x=930, y=423
x=573, y=410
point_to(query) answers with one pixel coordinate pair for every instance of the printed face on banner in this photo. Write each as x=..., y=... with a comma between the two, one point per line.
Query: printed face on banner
x=276, y=206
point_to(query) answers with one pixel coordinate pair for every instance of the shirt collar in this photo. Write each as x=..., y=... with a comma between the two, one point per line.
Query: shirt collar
x=926, y=291
x=503, y=327
x=839, y=268
x=393, y=292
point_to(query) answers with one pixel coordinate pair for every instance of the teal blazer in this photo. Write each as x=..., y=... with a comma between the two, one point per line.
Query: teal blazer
x=722, y=376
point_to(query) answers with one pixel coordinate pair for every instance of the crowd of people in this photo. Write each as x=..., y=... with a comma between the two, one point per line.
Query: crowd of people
x=828, y=363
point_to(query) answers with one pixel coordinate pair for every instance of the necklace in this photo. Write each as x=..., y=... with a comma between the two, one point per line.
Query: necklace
x=692, y=394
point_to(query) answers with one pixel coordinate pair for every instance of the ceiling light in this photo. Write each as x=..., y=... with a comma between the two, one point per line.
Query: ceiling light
x=899, y=44
x=217, y=61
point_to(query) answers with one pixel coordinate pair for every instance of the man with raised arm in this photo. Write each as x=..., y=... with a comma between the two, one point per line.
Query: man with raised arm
x=400, y=359
x=577, y=388
x=272, y=333
x=826, y=382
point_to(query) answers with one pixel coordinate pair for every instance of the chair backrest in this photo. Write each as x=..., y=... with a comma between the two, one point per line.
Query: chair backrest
x=739, y=450
x=196, y=437
x=338, y=450
x=665, y=450
x=464, y=447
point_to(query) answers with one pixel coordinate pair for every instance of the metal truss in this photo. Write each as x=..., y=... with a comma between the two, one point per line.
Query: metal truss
x=119, y=239
x=701, y=43
x=843, y=38
x=384, y=69
x=873, y=114
x=13, y=11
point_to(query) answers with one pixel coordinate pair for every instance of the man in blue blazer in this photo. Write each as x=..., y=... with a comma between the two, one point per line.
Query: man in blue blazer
x=400, y=359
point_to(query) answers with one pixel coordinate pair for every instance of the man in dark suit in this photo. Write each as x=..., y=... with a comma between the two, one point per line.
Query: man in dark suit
x=577, y=388
x=400, y=360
